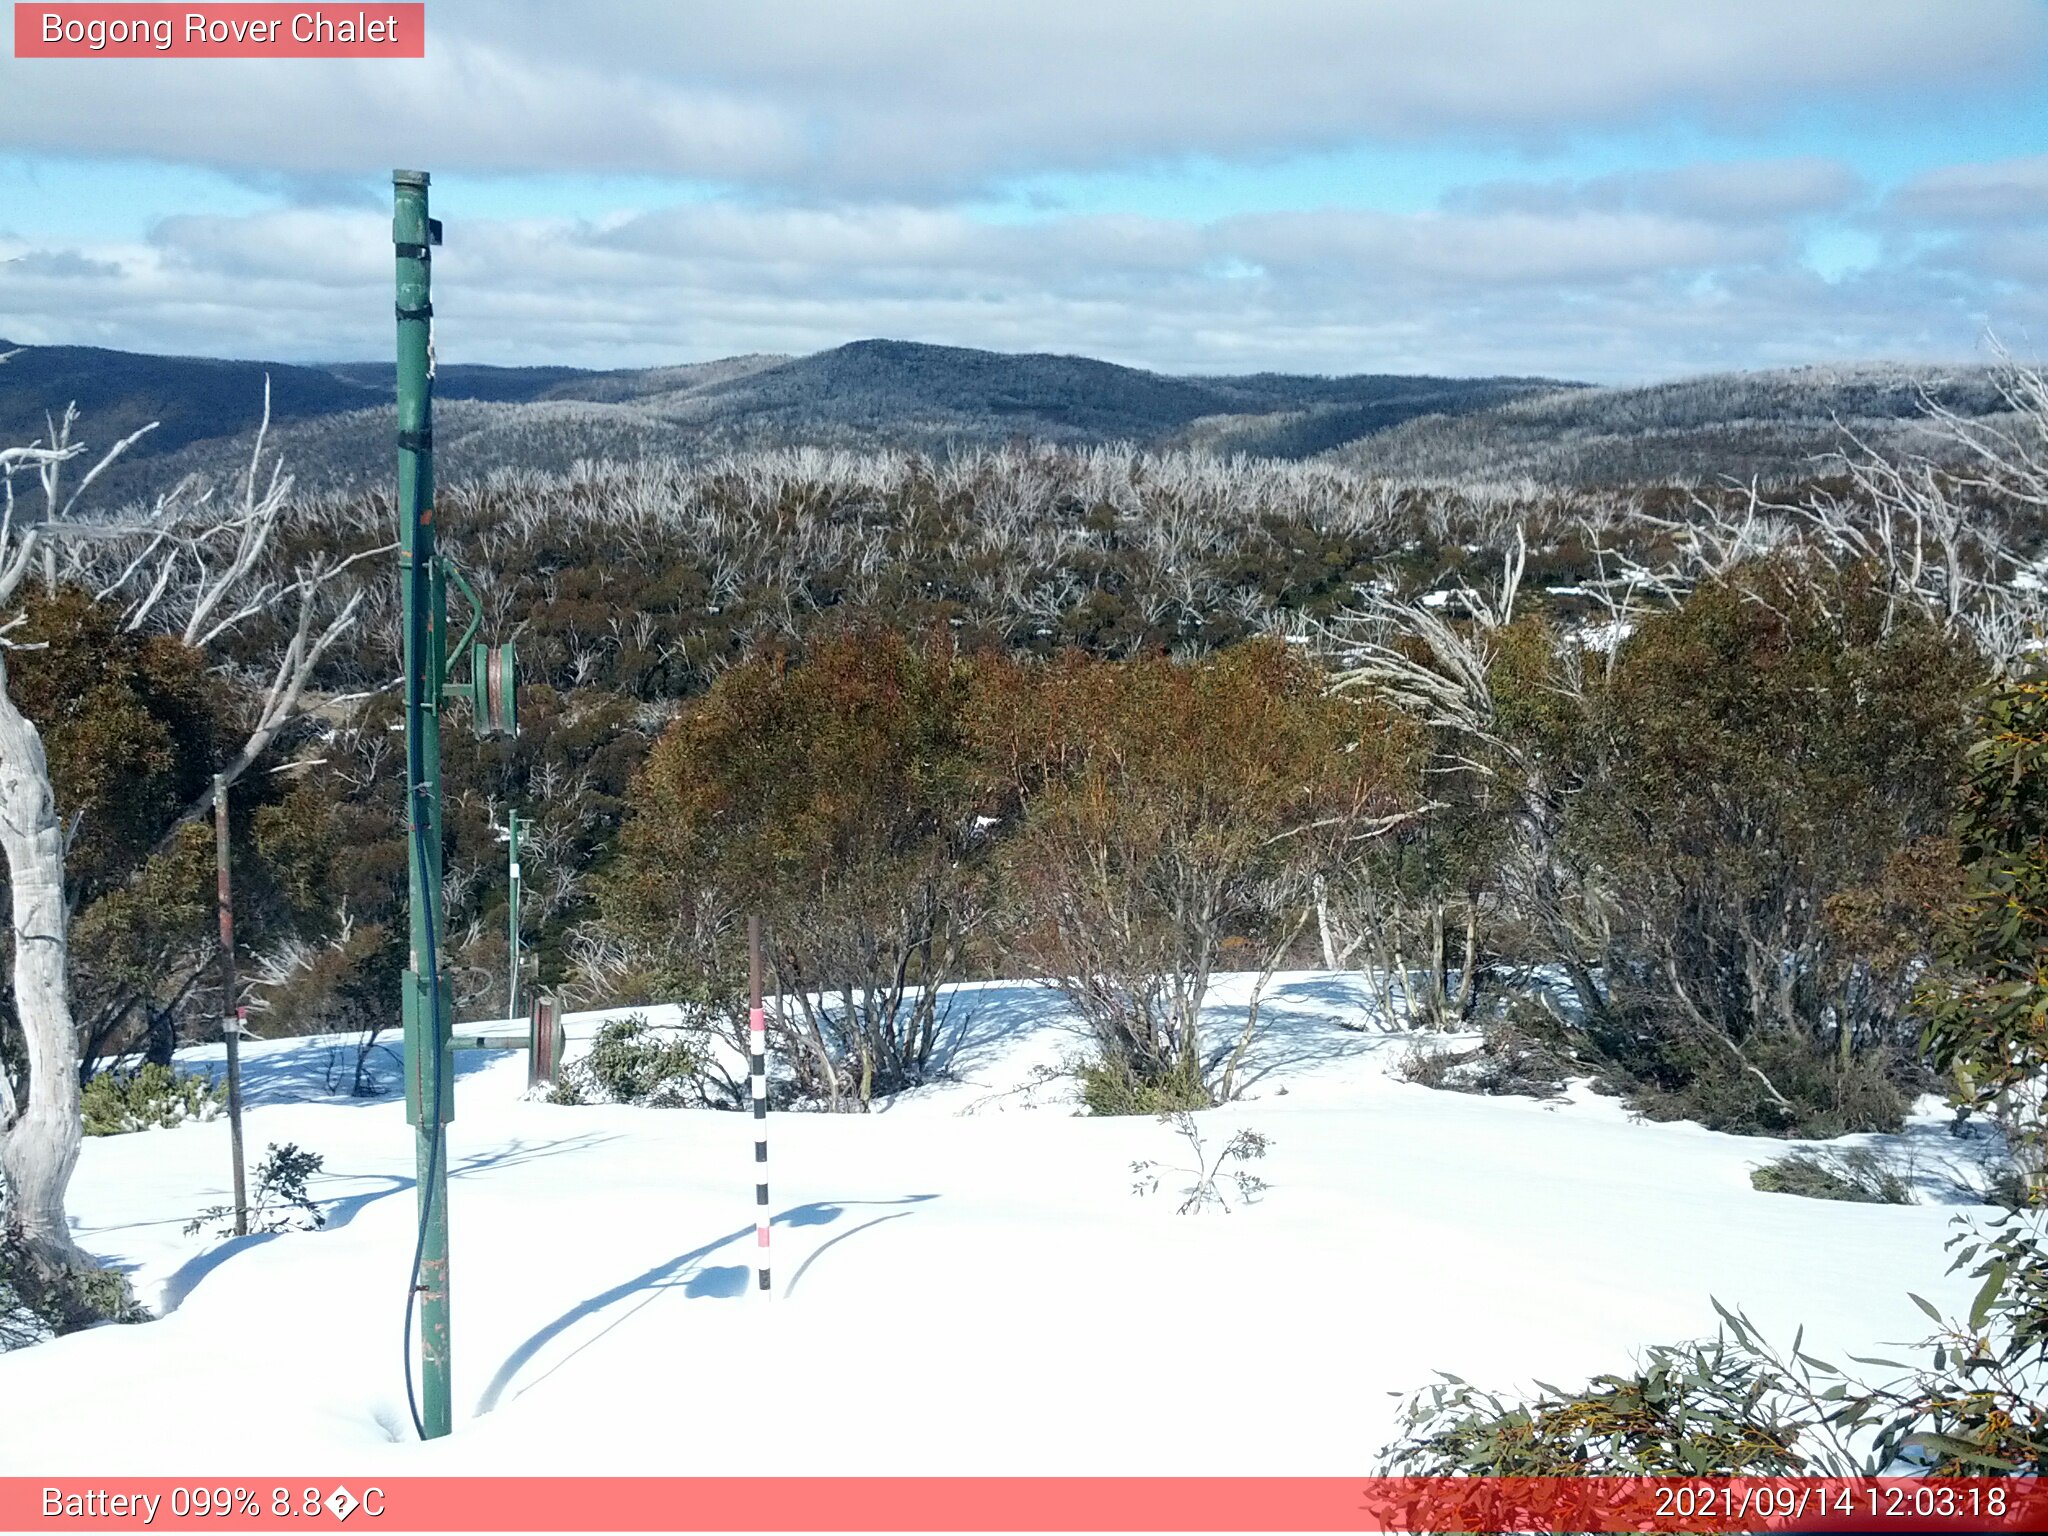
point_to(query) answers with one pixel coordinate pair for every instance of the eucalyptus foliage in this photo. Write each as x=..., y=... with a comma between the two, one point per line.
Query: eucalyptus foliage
x=1987, y=1004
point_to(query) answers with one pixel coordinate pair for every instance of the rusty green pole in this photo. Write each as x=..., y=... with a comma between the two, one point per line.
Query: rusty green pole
x=428, y=1014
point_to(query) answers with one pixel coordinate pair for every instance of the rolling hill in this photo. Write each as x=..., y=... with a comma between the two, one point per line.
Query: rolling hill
x=333, y=422
x=1773, y=425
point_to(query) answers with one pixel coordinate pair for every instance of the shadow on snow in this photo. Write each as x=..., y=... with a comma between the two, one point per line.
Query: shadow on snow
x=343, y=1209
x=678, y=1273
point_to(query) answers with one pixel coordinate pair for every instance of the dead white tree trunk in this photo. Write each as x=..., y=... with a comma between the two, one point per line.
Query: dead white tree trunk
x=40, y=1134
x=39, y=1141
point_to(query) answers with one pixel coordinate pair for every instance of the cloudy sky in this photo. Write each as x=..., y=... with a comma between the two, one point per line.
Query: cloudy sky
x=1598, y=189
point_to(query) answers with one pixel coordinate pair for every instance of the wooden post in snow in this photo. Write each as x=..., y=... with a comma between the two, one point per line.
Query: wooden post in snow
x=231, y=1018
x=546, y=1041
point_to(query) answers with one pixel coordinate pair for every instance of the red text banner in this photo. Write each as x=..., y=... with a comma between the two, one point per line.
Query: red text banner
x=260, y=31
x=1026, y=1504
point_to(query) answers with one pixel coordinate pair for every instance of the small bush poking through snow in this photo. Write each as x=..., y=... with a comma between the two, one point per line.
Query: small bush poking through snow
x=2008, y=1186
x=1111, y=1086
x=633, y=1062
x=1690, y=1409
x=1848, y=1175
x=1510, y=1059
x=1206, y=1173
x=1694, y=1078
x=281, y=1203
x=1428, y=1064
x=1977, y=1407
x=36, y=1305
x=154, y=1096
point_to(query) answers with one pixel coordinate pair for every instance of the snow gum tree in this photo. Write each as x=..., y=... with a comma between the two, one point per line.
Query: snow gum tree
x=835, y=797
x=1986, y=1003
x=1167, y=820
x=1774, y=761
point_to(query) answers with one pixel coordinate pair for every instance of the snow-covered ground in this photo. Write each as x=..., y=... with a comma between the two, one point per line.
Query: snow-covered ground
x=966, y=1282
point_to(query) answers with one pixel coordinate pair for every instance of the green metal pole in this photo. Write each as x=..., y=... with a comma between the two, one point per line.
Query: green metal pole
x=429, y=1058
x=512, y=985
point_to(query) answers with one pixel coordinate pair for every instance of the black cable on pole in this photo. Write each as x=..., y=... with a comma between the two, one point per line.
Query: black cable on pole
x=419, y=1250
x=417, y=780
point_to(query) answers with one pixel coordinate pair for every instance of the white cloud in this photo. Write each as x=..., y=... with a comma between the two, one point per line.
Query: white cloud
x=470, y=105
x=1602, y=295
x=1734, y=191
x=313, y=246
x=923, y=99
x=1434, y=250
x=2002, y=191
x=845, y=137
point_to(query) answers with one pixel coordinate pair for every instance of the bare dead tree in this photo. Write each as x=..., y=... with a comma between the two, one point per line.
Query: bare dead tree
x=1936, y=533
x=1436, y=661
x=183, y=566
x=199, y=571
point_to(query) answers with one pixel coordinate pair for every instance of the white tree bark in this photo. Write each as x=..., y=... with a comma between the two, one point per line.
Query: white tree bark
x=39, y=1148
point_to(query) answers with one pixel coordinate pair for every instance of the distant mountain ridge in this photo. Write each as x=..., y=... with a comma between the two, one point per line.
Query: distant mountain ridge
x=1774, y=424
x=331, y=420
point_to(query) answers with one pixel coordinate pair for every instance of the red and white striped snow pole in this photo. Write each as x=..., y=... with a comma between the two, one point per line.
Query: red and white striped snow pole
x=757, y=1043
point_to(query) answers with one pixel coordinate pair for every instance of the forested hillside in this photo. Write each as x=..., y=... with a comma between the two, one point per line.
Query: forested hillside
x=1780, y=426
x=332, y=422
x=1659, y=792
x=637, y=590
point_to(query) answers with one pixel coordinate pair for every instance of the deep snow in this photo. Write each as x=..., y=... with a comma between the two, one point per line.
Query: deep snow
x=966, y=1283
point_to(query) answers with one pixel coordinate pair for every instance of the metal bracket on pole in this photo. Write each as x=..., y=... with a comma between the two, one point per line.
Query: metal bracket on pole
x=492, y=688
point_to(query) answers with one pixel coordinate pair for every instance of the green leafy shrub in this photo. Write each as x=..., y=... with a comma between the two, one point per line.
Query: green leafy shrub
x=1977, y=1404
x=36, y=1305
x=151, y=1097
x=1986, y=1002
x=282, y=1202
x=1687, y=1077
x=1845, y=1175
x=633, y=1062
x=1690, y=1409
x=1771, y=772
x=1111, y=1086
x=1163, y=819
x=826, y=795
